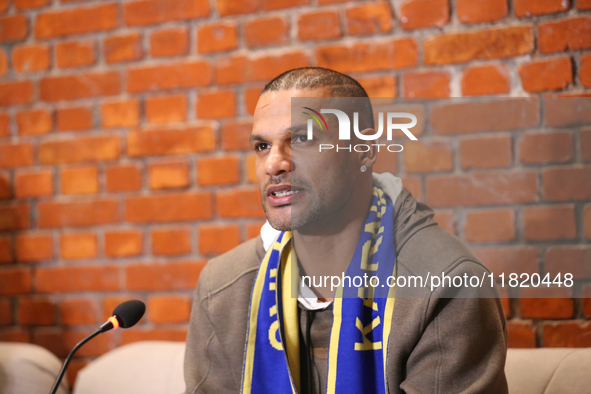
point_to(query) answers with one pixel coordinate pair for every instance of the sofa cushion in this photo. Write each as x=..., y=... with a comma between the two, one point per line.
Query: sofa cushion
x=27, y=368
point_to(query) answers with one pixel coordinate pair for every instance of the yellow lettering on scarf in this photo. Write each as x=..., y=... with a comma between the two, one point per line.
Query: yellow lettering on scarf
x=367, y=344
x=364, y=257
x=273, y=335
x=370, y=304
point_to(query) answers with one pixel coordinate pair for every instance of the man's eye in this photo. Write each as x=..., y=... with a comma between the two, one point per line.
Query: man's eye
x=300, y=138
x=261, y=146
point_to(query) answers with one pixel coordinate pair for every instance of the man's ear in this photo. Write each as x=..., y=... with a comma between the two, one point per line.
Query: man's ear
x=368, y=158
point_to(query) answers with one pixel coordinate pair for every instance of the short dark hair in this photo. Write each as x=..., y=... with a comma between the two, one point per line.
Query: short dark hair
x=341, y=85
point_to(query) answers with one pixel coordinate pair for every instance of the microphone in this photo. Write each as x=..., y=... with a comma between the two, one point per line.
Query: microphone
x=125, y=315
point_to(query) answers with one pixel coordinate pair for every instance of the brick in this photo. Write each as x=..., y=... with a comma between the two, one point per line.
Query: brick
x=231, y=7
x=69, y=279
x=30, y=58
x=34, y=184
x=427, y=157
x=5, y=186
x=15, y=281
x=75, y=53
x=80, y=20
x=15, y=335
x=240, y=203
x=509, y=259
x=426, y=84
x=79, y=180
x=186, y=74
x=567, y=183
x=483, y=44
x=15, y=216
x=217, y=37
x=481, y=11
x=379, y=86
x=493, y=225
x=482, y=188
x=4, y=5
x=586, y=145
x=162, y=276
x=586, y=293
x=218, y=170
x=543, y=75
x=446, y=220
x=77, y=213
x=3, y=63
x=79, y=86
x=6, y=315
x=250, y=168
x=78, y=312
x=486, y=152
x=574, y=333
x=420, y=14
x=253, y=229
x=521, y=335
x=123, y=243
x=6, y=253
x=14, y=28
x=172, y=207
x=164, y=109
x=169, y=42
x=585, y=70
x=319, y=25
x=216, y=104
x=583, y=5
x=543, y=148
x=216, y=239
x=150, y=12
x=123, y=178
x=369, y=18
x=14, y=93
x=251, y=97
x=35, y=312
x=575, y=260
x=33, y=247
x=60, y=342
x=16, y=155
x=171, y=241
x=29, y=4
x=527, y=8
x=169, y=309
x=123, y=113
x=170, y=141
x=413, y=184
x=154, y=334
x=490, y=115
x=123, y=48
x=365, y=57
x=266, y=31
x=482, y=80
x=587, y=221
x=267, y=67
x=4, y=125
x=232, y=69
x=34, y=122
x=78, y=246
x=78, y=150
x=74, y=119
x=567, y=111
x=567, y=34
x=168, y=175
x=546, y=223
x=235, y=135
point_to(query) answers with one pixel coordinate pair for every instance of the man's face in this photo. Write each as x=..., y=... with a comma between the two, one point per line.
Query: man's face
x=300, y=186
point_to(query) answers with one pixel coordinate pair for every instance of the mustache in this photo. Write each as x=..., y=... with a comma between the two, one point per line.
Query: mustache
x=284, y=178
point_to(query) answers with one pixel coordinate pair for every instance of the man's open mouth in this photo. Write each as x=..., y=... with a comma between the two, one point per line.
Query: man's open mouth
x=284, y=193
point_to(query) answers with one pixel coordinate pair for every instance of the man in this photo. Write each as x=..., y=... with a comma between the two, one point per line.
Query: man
x=336, y=217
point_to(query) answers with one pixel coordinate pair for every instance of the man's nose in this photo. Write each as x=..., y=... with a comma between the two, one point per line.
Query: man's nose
x=279, y=160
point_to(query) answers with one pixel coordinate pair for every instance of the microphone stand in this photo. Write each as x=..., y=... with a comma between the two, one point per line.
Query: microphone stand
x=103, y=328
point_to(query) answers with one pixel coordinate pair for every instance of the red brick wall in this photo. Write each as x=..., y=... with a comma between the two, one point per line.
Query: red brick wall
x=125, y=165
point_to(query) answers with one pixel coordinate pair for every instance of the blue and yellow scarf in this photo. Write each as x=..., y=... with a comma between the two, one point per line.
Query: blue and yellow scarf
x=361, y=322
